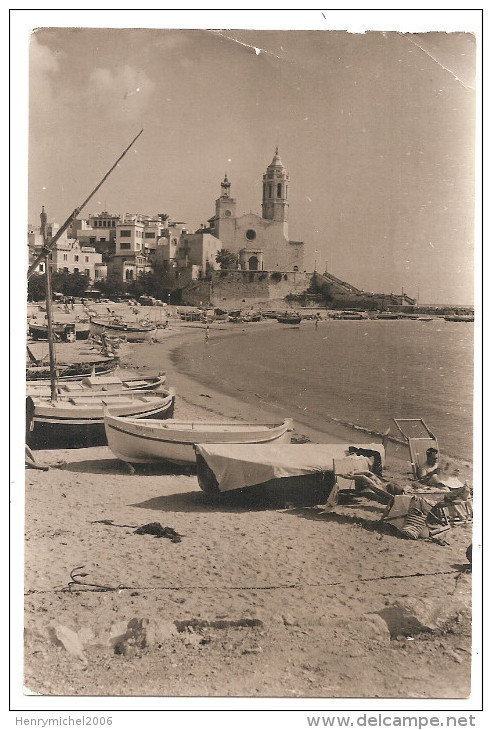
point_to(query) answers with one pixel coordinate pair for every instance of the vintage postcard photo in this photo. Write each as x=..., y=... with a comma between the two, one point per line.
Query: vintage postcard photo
x=249, y=360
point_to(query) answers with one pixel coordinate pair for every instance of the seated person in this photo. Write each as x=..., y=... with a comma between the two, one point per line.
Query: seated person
x=458, y=498
x=429, y=473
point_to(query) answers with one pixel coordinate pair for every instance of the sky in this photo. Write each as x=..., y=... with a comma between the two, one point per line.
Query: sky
x=376, y=130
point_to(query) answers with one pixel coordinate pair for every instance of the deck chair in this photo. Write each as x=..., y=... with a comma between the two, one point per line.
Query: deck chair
x=433, y=521
x=342, y=480
x=419, y=438
x=344, y=470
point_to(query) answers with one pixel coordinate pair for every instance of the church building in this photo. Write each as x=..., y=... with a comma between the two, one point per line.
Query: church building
x=261, y=242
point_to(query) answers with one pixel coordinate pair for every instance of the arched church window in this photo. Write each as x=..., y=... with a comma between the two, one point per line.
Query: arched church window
x=279, y=190
x=269, y=190
x=250, y=234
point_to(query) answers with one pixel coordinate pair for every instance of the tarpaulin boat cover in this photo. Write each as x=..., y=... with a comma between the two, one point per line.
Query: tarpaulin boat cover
x=242, y=465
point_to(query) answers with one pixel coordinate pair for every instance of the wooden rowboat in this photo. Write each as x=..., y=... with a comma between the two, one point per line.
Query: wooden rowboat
x=289, y=318
x=78, y=420
x=98, y=384
x=132, y=331
x=73, y=371
x=67, y=332
x=387, y=315
x=141, y=441
x=238, y=466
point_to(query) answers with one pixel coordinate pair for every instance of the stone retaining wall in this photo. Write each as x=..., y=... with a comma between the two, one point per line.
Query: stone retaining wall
x=234, y=289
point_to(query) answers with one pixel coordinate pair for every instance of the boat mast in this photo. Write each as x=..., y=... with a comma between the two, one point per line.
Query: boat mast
x=51, y=344
x=76, y=212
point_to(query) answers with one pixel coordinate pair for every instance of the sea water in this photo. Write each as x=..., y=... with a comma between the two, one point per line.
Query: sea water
x=360, y=373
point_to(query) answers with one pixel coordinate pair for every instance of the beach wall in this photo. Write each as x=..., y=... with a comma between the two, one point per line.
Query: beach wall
x=235, y=288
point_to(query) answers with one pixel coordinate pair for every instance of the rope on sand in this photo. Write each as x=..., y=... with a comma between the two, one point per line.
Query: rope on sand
x=94, y=587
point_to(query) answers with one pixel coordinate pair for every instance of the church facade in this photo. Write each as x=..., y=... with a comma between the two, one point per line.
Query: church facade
x=261, y=242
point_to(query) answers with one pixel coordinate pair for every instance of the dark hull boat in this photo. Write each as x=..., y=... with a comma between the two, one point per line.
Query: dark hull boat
x=460, y=318
x=67, y=332
x=78, y=421
x=73, y=371
x=131, y=331
x=289, y=319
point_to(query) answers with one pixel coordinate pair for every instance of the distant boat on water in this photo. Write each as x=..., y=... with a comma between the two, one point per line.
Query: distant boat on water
x=460, y=318
x=350, y=315
x=387, y=315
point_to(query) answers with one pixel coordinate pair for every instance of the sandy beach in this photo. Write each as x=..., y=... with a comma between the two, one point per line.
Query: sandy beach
x=271, y=598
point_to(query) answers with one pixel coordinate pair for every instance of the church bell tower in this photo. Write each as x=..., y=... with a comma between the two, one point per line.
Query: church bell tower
x=275, y=205
x=225, y=214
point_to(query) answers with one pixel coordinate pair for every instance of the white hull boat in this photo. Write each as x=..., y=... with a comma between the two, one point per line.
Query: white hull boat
x=144, y=441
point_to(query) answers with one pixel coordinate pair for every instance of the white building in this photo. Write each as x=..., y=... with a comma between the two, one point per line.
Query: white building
x=261, y=242
x=68, y=254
